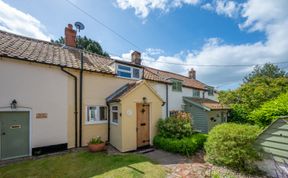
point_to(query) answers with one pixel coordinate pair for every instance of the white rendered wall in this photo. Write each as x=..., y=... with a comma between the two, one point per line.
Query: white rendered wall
x=41, y=88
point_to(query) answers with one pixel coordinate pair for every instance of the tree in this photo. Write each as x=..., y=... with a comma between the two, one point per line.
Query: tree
x=261, y=85
x=268, y=70
x=270, y=111
x=87, y=44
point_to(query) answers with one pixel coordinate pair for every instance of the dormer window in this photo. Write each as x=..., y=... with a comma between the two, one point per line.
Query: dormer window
x=176, y=85
x=126, y=71
x=210, y=91
x=196, y=93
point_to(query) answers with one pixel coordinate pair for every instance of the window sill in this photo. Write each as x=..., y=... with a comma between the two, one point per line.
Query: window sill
x=114, y=123
x=176, y=91
x=129, y=78
x=95, y=123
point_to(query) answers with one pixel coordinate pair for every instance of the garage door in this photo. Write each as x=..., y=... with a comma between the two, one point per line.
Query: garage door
x=14, y=129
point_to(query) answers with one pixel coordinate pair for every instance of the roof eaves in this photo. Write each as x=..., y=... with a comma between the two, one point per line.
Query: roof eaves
x=196, y=104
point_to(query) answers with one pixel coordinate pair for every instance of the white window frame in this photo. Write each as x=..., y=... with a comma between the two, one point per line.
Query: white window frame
x=179, y=85
x=97, y=115
x=194, y=90
x=111, y=114
x=131, y=71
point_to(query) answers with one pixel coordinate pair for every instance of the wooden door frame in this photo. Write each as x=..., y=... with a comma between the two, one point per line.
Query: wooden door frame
x=22, y=109
x=149, y=121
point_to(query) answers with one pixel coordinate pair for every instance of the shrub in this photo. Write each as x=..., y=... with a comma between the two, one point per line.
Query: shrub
x=186, y=146
x=230, y=145
x=270, y=111
x=178, y=126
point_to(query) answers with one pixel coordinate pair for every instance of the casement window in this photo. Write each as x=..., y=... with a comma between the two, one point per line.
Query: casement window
x=128, y=72
x=196, y=93
x=176, y=85
x=96, y=114
x=210, y=91
x=114, y=114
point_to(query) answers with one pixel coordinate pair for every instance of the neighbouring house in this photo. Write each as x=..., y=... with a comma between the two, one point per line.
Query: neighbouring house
x=273, y=144
x=54, y=97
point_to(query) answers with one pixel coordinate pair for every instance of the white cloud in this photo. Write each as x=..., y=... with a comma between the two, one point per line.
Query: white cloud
x=227, y=8
x=271, y=17
x=143, y=7
x=16, y=21
x=154, y=51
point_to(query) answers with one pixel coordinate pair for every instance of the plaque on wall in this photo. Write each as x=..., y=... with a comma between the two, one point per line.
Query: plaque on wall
x=41, y=115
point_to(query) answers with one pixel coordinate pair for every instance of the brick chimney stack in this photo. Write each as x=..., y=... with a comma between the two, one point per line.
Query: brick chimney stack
x=136, y=58
x=70, y=36
x=192, y=73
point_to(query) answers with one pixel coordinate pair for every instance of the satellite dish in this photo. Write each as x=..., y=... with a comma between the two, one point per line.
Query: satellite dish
x=79, y=26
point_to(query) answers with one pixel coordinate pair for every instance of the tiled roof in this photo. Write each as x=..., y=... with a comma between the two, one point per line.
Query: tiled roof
x=213, y=105
x=159, y=75
x=33, y=50
x=115, y=97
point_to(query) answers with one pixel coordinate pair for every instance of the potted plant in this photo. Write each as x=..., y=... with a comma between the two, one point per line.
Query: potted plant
x=96, y=144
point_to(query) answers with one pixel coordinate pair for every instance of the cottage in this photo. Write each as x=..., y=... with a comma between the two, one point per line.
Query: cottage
x=54, y=97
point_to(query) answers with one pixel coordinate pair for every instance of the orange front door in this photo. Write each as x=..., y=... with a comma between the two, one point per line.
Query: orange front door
x=143, y=136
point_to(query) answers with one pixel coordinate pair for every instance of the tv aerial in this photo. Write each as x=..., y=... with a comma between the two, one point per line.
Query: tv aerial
x=79, y=26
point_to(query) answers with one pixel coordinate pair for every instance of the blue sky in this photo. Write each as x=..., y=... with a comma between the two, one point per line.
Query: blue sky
x=198, y=32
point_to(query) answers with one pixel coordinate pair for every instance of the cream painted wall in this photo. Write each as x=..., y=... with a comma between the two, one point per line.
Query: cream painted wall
x=129, y=122
x=96, y=88
x=41, y=88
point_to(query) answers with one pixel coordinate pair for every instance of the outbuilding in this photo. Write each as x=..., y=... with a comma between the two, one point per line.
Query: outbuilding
x=205, y=113
x=273, y=145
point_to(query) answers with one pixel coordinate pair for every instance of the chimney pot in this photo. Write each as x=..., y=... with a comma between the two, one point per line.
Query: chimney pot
x=70, y=36
x=136, y=58
x=192, y=74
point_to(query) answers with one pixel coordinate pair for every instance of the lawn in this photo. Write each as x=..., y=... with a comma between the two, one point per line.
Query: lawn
x=85, y=164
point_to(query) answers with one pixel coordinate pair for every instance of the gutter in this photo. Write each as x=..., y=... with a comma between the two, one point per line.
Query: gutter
x=75, y=105
x=81, y=99
x=108, y=117
x=167, y=98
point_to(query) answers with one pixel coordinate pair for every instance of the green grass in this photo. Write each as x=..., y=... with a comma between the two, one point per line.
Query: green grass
x=85, y=164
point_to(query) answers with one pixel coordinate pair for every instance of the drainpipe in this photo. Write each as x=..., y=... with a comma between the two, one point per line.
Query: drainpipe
x=75, y=105
x=108, y=117
x=167, y=98
x=81, y=99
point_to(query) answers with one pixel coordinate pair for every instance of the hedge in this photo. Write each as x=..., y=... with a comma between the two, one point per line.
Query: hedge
x=186, y=146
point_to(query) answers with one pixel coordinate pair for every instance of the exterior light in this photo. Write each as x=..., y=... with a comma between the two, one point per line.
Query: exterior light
x=144, y=101
x=13, y=104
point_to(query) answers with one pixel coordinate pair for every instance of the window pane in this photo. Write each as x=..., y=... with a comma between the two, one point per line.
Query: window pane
x=115, y=117
x=103, y=113
x=196, y=93
x=124, y=68
x=176, y=85
x=124, y=74
x=115, y=108
x=210, y=91
x=136, y=73
x=92, y=114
